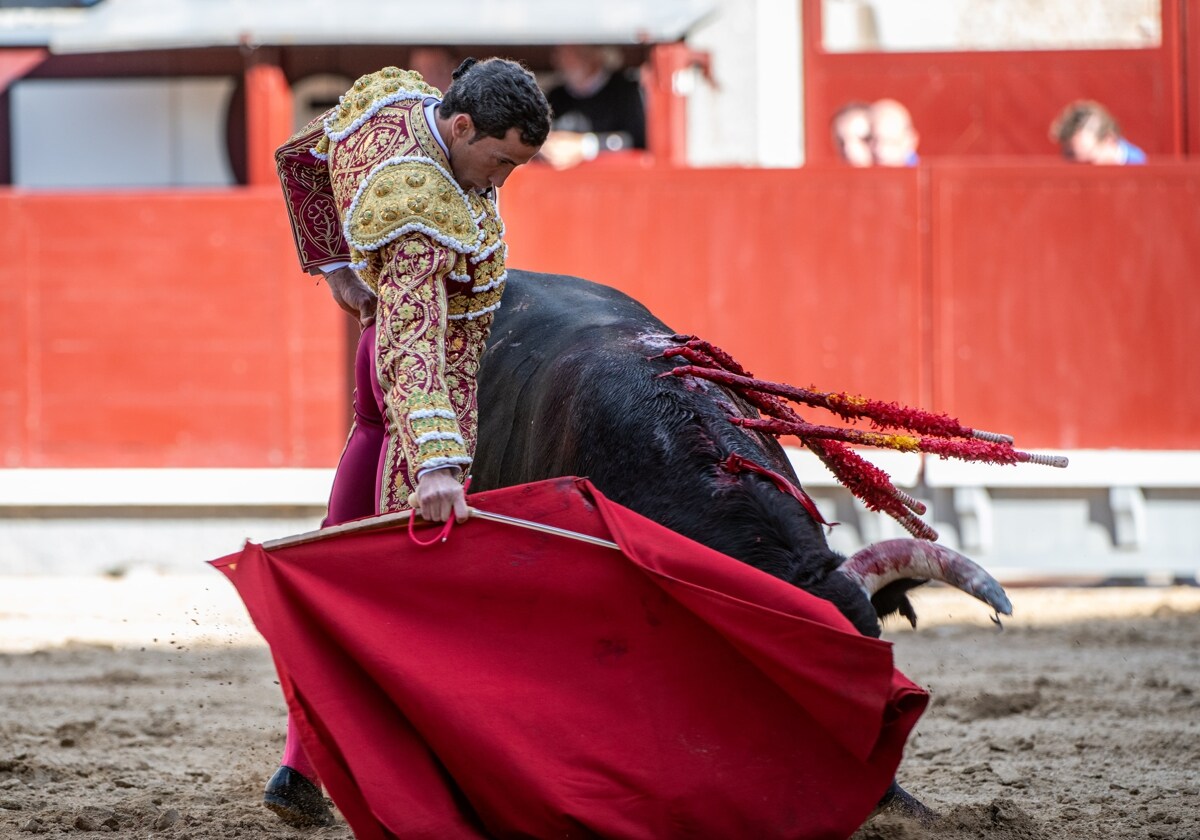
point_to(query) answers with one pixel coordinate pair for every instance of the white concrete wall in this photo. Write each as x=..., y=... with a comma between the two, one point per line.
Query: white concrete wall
x=91, y=521
x=917, y=25
x=84, y=133
x=753, y=116
x=1110, y=514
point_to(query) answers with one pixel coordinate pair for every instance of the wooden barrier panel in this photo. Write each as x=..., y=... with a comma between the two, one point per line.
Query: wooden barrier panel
x=1065, y=302
x=166, y=329
x=1191, y=67
x=808, y=277
x=18, y=395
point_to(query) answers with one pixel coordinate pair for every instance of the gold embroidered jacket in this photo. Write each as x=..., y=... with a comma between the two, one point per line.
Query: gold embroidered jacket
x=367, y=182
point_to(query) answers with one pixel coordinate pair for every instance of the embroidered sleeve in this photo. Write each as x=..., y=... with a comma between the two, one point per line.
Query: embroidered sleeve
x=486, y=271
x=411, y=356
x=312, y=209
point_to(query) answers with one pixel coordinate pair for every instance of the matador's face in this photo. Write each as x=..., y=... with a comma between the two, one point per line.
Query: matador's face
x=480, y=163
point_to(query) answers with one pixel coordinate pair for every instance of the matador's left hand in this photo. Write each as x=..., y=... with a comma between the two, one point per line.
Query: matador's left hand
x=439, y=496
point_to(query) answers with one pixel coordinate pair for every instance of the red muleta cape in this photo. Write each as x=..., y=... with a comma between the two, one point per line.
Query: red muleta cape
x=510, y=683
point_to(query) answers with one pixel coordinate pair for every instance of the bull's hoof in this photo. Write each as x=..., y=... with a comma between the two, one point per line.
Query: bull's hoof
x=296, y=800
x=899, y=801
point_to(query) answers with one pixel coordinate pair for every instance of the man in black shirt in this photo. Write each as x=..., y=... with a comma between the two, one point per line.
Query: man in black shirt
x=596, y=109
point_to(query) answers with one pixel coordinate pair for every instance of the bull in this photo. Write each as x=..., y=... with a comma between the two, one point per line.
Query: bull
x=574, y=382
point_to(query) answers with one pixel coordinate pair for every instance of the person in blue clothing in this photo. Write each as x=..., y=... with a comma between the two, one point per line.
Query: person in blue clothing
x=893, y=139
x=1086, y=132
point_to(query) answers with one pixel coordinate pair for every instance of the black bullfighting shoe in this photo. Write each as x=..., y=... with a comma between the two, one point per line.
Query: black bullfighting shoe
x=296, y=800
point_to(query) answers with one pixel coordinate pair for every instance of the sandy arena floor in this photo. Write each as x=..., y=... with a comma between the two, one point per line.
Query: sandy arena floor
x=147, y=706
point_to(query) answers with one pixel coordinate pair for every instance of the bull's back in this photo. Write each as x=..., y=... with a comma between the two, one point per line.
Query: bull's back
x=559, y=350
x=573, y=382
x=557, y=307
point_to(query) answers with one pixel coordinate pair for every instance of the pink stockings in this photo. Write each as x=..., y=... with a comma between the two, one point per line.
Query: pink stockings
x=355, y=492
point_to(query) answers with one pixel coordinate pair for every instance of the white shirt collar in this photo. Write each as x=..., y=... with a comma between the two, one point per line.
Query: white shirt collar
x=431, y=117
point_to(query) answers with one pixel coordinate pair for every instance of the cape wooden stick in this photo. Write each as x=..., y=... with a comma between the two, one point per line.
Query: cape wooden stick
x=387, y=520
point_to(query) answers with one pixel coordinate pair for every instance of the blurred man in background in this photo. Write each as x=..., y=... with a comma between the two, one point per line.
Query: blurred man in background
x=597, y=108
x=893, y=139
x=851, y=129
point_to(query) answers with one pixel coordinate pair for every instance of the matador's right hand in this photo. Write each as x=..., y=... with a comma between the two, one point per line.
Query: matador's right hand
x=352, y=294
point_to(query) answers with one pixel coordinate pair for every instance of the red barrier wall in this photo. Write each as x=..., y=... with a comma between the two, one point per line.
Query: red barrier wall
x=1053, y=302
x=163, y=330
x=810, y=276
x=1065, y=302
x=1189, y=49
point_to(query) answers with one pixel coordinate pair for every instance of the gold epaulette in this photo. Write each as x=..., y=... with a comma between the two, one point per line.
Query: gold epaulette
x=372, y=91
x=411, y=194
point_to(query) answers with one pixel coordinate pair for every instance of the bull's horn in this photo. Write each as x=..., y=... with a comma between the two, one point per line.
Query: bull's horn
x=879, y=564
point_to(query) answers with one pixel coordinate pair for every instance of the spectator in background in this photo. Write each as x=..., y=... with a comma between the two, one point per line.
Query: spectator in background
x=1087, y=133
x=893, y=139
x=597, y=108
x=851, y=129
x=435, y=64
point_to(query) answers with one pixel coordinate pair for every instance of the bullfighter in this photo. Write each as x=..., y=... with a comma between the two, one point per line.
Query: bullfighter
x=392, y=198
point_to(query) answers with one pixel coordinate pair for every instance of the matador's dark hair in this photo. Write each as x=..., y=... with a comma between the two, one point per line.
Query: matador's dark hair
x=498, y=94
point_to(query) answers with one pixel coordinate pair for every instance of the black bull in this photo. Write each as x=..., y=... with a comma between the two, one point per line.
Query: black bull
x=568, y=386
